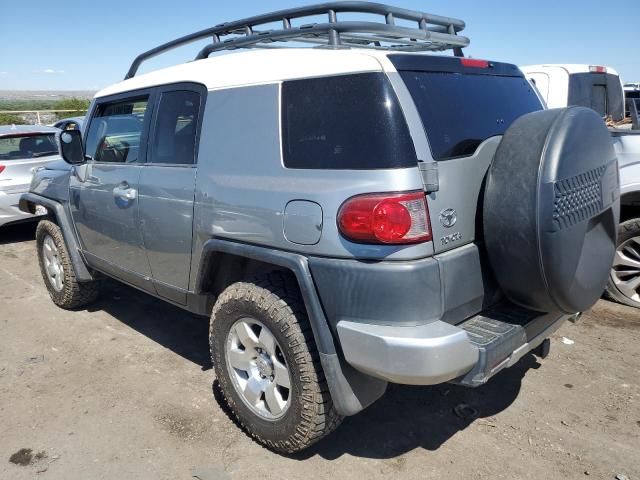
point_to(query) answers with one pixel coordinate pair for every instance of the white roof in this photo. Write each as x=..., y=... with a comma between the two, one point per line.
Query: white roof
x=253, y=67
x=569, y=67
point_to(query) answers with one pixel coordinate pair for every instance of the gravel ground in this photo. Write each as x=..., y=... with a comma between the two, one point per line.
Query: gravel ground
x=126, y=390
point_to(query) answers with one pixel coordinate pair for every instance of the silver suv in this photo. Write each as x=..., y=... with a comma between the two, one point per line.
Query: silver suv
x=347, y=216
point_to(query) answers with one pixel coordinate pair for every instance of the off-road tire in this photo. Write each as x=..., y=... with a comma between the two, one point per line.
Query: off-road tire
x=274, y=300
x=626, y=230
x=74, y=294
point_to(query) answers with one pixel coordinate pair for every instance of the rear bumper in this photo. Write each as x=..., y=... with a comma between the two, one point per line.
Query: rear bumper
x=469, y=354
x=10, y=210
x=418, y=355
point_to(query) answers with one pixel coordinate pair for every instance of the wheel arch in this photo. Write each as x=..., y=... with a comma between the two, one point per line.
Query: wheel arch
x=61, y=216
x=351, y=391
x=630, y=206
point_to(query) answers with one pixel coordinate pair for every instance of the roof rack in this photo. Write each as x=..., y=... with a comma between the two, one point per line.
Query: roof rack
x=432, y=32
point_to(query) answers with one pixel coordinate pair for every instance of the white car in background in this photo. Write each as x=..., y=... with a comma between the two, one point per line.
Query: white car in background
x=22, y=149
x=593, y=86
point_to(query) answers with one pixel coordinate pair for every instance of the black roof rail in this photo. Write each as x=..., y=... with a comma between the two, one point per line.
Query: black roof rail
x=431, y=33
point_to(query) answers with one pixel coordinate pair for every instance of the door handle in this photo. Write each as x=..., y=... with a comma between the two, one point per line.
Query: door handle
x=125, y=192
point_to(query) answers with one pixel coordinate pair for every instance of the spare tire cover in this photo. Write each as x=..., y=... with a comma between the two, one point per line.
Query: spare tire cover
x=551, y=210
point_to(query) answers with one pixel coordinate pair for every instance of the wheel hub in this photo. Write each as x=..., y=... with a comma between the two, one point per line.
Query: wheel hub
x=625, y=272
x=52, y=263
x=258, y=369
x=265, y=366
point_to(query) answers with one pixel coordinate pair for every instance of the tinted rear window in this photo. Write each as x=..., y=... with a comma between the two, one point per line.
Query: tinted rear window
x=344, y=122
x=460, y=111
x=28, y=146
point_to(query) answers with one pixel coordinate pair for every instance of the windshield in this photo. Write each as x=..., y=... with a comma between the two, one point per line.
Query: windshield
x=28, y=146
x=459, y=111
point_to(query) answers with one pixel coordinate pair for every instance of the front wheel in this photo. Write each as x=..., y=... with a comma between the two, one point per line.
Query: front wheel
x=57, y=271
x=624, y=282
x=267, y=364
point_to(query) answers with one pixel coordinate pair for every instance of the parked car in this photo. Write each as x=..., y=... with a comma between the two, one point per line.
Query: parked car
x=592, y=86
x=345, y=217
x=23, y=148
x=599, y=87
x=624, y=282
x=73, y=123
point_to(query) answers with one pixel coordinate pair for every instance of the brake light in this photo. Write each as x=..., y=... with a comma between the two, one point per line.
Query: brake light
x=393, y=218
x=597, y=69
x=474, y=63
x=2, y=167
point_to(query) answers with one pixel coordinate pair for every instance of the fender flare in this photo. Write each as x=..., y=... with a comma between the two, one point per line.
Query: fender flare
x=351, y=390
x=63, y=217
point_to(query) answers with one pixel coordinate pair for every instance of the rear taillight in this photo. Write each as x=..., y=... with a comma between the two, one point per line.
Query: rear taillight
x=474, y=63
x=597, y=69
x=2, y=167
x=385, y=218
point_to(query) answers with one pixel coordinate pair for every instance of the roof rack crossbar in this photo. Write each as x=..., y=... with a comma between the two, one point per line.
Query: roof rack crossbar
x=432, y=32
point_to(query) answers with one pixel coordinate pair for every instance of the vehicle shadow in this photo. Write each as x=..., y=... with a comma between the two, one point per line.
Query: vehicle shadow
x=410, y=417
x=405, y=418
x=18, y=233
x=173, y=328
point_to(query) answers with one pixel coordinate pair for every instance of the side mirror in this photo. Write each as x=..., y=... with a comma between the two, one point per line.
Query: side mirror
x=71, y=147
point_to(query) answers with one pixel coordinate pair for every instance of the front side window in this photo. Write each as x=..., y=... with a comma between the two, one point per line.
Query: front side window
x=116, y=130
x=344, y=122
x=28, y=146
x=175, y=131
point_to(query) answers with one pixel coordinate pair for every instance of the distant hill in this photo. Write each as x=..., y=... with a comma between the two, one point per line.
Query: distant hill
x=44, y=95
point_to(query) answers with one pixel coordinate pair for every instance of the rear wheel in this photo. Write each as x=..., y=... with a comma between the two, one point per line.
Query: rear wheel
x=624, y=281
x=57, y=270
x=267, y=364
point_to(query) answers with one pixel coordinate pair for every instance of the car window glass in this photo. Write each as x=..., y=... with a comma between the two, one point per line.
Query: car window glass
x=175, y=131
x=460, y=111
x=115, y=131
x=346, y=122
x=28, y=146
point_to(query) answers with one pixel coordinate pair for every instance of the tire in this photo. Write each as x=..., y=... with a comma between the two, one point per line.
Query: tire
x=271, y=301
x=66, y=293
x=627, y=267
x=551, y=210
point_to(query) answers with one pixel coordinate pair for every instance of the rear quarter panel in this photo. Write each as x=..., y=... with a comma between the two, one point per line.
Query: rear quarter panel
x=242, y=187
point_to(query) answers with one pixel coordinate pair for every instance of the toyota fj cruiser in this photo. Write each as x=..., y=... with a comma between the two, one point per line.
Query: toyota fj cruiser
x=347, y=216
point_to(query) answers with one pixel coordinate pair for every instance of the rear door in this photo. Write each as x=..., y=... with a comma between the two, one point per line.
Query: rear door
x=167, y=187
x=104, y=193
x=465, y=106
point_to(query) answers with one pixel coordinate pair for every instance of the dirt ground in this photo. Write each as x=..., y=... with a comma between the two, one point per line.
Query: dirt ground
x=126, y=390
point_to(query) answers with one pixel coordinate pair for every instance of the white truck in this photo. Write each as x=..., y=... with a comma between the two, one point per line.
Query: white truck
x=593, y=86
x=600, y=88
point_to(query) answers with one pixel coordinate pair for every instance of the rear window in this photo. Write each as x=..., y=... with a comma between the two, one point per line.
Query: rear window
x=460, y=111
x=344, y=122
x=28, y=146
x=598, y=91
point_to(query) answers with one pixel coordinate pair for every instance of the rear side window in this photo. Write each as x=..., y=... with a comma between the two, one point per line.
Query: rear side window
x=28, y=146
x=344, y=122
x=115, y=131
x=175, y=134
x=460, y=111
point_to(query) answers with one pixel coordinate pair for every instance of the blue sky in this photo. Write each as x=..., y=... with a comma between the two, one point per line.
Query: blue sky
x=49, y=45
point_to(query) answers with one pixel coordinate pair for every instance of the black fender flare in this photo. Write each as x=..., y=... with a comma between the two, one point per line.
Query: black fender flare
x=63, y=218
x=351, y=391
